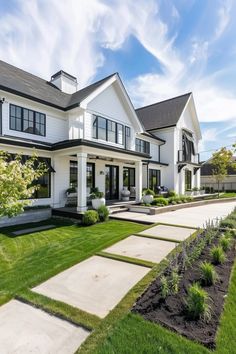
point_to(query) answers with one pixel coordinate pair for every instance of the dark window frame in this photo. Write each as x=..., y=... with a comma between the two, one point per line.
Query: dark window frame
x=75, y=167
x=14, y=118
x=142, y=146
x=96, y=130
x=127, y=137
x=154, y=173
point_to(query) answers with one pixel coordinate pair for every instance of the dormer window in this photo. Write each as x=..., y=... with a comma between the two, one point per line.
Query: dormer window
x=27, y=121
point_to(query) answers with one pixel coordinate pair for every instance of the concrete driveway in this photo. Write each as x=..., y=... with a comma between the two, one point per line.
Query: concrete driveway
x=192, y=217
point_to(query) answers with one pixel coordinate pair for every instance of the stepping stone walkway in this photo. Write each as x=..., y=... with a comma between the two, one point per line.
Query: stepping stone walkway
x=33, y=229
x=25, y=329
x=95, y=285
x=143, y=248
x=169, y=232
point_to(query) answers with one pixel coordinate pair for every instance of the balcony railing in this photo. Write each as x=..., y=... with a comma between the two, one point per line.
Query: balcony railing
x=186, y=159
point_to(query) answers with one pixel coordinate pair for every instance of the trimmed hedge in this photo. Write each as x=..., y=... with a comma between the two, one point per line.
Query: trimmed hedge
x=90, y=217
x=103, y=213
x=160, y=201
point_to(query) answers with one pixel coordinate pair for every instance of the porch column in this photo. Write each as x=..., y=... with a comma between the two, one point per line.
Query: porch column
x=82, y=182
x=138, y=180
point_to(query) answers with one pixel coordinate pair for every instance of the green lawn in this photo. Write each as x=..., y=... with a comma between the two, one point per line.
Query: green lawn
x=30, y=259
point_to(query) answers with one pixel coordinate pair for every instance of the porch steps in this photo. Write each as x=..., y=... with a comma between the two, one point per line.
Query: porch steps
x=114, y=209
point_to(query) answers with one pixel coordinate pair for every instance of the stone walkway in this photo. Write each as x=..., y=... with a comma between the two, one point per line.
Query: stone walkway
x=25, y=329
x=192, y=217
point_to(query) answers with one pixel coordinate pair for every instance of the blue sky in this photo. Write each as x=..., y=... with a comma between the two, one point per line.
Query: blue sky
x=161, y=48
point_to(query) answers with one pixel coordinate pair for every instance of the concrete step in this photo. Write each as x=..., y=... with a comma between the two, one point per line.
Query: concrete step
x=114, y=209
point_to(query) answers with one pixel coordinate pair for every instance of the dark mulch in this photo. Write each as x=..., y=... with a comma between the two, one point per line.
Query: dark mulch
x=171, y=312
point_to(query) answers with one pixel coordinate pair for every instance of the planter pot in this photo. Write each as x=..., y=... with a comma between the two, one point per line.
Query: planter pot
x=147, y=199
x=96, y=203
x=195, y=192
x=189, y=193
x=202, y=191
x=125, y=194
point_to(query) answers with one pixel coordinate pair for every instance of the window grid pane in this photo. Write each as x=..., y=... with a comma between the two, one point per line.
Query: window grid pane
x=27, y=121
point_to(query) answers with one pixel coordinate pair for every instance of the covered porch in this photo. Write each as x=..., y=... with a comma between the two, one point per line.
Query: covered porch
x=88, y=167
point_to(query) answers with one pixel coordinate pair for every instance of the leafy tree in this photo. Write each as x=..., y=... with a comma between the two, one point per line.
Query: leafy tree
x=221, y=161
x=18, y=182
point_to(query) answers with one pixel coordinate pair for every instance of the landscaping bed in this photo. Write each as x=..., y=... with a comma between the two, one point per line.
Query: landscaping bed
x=171, y=310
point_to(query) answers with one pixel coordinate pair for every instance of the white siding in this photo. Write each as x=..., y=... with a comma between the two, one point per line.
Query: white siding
x=57, y=128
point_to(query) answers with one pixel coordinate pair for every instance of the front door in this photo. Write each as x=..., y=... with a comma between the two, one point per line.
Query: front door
x=112, y=182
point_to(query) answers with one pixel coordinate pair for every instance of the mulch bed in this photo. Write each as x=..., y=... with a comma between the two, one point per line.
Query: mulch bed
x=171, y=311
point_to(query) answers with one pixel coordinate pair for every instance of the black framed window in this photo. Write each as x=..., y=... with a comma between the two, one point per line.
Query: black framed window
x=90, y=172
x=27, y=121
x=154, y=179
x=142, y=146
x=111, y=131
x=128, y=177
x=120, y=134
x=188, y=180
x=127, y=137
x=108, y=130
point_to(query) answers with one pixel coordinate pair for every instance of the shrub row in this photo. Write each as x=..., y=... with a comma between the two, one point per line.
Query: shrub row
x=161, y=201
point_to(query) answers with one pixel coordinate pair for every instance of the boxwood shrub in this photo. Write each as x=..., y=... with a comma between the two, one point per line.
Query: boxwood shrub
x=90, y=217
x=103, y=213
x=160, y=201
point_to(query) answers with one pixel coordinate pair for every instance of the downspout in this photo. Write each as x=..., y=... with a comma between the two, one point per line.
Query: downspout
x=147, y=175
x=1, y=103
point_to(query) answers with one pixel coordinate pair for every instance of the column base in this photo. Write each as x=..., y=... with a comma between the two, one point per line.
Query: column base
x=82, y=208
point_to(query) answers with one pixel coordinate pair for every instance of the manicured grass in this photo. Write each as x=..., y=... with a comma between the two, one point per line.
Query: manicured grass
x=28, y=260
x=59, y=309
x=228, y=195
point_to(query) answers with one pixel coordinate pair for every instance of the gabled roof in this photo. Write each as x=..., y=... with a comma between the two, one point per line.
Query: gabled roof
x=163, y=114
x=22, y=83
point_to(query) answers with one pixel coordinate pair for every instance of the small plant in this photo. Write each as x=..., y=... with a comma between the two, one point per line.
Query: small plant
x=195, y=189
x=160, y=201
x=172, y=193
x=165, y=289
x=208, y=273
x=197, y=303
x=174, y=281
x=96, y=194
x=71, y=190
x=228, y=223
x=225, y=243
x=148, y=191
x=177, y=200
x=218, y=256
x=103, y=213
x=90, y=217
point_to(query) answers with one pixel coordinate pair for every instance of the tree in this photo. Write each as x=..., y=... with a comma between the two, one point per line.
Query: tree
x=221, y=161
x=18, y=182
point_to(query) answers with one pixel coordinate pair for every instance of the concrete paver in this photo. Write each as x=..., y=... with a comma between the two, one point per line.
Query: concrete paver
x=169, y=232
x=95, y=285
x=193, y=217
x=25, y=329
x=142, y=248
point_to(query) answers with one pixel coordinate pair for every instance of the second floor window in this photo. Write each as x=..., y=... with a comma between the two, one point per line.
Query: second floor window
x=27, y=121
x=108, y=130
x=142, y=146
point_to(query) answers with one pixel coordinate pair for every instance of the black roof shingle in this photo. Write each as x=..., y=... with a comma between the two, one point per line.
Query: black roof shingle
x=22, y=83
x=163, y=114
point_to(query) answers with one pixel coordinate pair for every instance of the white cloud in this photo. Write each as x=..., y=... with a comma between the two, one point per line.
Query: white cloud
x=223, y=17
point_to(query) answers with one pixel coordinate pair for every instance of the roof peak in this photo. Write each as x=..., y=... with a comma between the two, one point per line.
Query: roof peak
x=166, y=100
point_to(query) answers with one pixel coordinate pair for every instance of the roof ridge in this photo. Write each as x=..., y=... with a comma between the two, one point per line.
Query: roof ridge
x=168, y=99
x=96, y=82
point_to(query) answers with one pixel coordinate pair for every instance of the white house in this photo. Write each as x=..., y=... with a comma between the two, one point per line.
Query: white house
x=94, y=137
